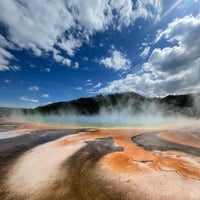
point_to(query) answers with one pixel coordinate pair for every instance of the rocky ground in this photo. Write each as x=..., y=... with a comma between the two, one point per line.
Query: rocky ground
x=39, y=161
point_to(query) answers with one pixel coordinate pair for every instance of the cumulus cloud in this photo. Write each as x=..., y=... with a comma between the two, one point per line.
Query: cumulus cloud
x=45, y=26
x=34, y=22
x=58, y=58
x=34, y=88
x=183, y=55
x=66, y=61
x=173, y=69
x=70, y=45
x=24, y=98
x=116, y=61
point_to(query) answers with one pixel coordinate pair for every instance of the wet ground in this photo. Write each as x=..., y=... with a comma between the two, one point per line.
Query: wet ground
x=39, y=161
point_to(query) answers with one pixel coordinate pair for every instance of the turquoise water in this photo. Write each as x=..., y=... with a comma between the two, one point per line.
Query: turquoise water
x=105, y=120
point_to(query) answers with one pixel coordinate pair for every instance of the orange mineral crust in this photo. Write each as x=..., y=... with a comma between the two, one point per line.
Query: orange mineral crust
x=81, y=137
x=135, y=159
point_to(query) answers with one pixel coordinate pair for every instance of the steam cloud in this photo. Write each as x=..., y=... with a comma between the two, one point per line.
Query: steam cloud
x=148, y=114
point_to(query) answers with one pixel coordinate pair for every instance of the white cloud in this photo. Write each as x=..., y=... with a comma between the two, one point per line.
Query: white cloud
x=5, y=58
x=45, y=26
x=58, y=58
x=34, y=88
x=76, y=65
x=93, y=16
x=148, y=9
x=70, y=45
x=154, y=85
x=117, y=61
x=124, y=12
x=183, y=33
x=24, y=98
x=66, y=61
x=4, y=42
x=6, y=54
x=4, y=67
x=35, y=22
x=127, y=12
x=174, y=69
x=45, y=95
x=98, y=85
x=145, y=52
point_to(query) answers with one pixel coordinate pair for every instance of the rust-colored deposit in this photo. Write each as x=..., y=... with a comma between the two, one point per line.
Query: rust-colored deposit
x=80, y=138
x=129, y=161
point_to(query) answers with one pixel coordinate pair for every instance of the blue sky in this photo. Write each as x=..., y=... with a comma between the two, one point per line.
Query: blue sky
x=62, y=50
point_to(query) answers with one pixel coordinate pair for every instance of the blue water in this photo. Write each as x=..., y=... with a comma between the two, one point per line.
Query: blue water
x=105, y=120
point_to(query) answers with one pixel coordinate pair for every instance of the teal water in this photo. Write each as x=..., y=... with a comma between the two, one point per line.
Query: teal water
x=105, y=120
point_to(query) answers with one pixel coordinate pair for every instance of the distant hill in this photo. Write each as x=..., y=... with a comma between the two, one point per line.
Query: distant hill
x=188, y=105
x=93, y=105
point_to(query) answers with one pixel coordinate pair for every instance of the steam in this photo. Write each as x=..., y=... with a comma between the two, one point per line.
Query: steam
x=149, y=116
x=124, y=113
x=196, y=103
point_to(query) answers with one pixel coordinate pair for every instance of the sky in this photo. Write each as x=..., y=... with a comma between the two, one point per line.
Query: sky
x=59, y=50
